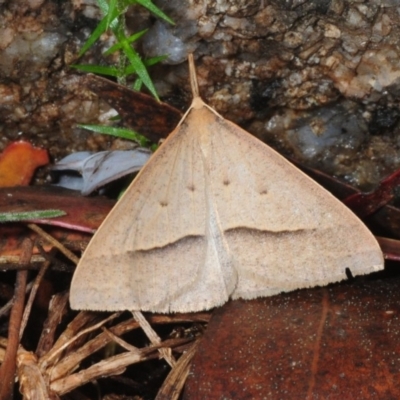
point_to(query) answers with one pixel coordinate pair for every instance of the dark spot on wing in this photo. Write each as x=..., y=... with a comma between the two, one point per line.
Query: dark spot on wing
x=349, y=274
x=263, y=192
x=226, y=182
x=191, y=187
x=163, y=203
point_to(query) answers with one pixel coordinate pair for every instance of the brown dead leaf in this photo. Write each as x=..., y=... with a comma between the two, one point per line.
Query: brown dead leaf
x=82, y=213
x=340, y=342
x=139, y=111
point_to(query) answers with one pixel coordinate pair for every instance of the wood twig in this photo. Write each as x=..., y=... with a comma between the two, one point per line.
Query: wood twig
x=8, y=368
x=32, y=294
x=173, y=383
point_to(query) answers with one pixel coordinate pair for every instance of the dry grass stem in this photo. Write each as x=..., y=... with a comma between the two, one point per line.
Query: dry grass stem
x=51, y=375
x=112, y=366
x=55, y=243
x=122, y=343
x=57, y=308
x=154, y=338
x=53, y=370
x=77, y=336
x=173, y=384
x=82, y=320
x=72, y=360
x=7, y=307
x=32, y=383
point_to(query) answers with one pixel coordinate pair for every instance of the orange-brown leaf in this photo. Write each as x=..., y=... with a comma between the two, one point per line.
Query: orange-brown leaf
x=18, y=163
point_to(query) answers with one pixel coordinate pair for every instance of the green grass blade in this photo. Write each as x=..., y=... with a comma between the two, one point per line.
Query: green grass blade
x=140, y=68
x=137, y=85
x=29, y=215
x=118, y=132
x=111, y=9
x=154, y=60
x=130, y=39
x=154, y=9
x=103, y=4
x=114, y=71
x=130, y=69
x=100, y=29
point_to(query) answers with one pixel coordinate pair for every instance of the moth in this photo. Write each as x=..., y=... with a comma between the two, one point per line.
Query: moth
x=215, y=215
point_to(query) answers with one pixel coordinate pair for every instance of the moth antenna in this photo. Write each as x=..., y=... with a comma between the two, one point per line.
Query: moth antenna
x=193, y=77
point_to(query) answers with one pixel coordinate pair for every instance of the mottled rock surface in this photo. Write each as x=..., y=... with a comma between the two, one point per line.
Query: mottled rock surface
x=319, y=80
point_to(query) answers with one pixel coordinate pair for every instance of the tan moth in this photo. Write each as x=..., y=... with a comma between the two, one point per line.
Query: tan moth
x=217, y=214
